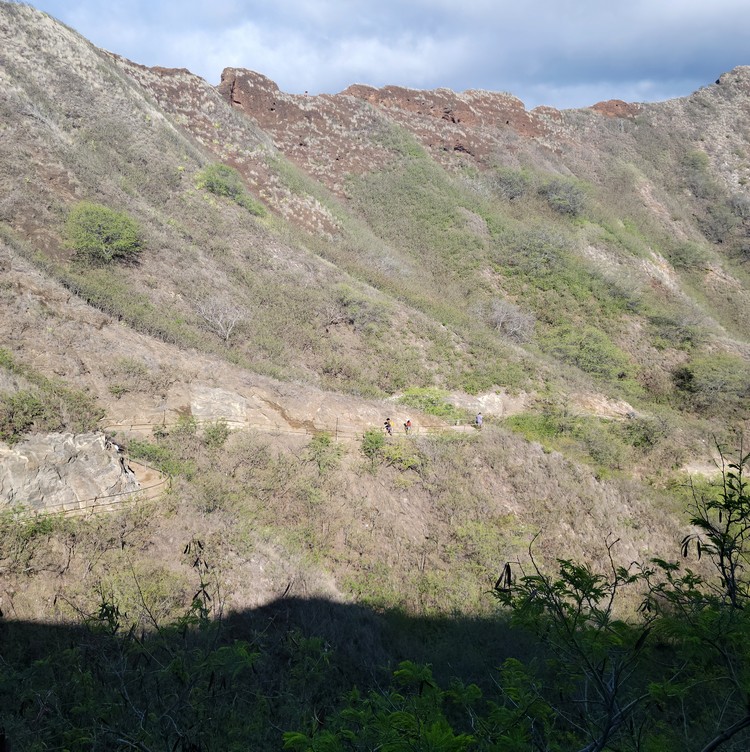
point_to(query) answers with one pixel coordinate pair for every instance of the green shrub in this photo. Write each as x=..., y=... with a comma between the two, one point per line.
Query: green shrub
x=223, y=180
x=510, y=184
x=715, y=384
x=216, y=433
x=698, y=177
x=645, y=433
x=99, y=234
x=403, y=455
x=540, y=427
x=48, y=406
x=719, y=222
x=675, y=331
x=19, y=413
x=372, y=444
x=688, y=255
x=535, y=252
x=162, y=457
x=603, y=444
x=6, y=361
x=608, y=443
x=361, y=312
x=432, y=401
x=589, y=349
x=564, y=196
x=324, y=452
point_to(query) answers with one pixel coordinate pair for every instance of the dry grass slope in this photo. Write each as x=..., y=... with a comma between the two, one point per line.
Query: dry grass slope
x=384, y=242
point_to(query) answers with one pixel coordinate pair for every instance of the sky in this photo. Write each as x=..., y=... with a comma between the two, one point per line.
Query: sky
x=561, y=53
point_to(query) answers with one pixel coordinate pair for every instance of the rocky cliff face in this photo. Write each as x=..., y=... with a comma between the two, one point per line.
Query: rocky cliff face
x=63, y=472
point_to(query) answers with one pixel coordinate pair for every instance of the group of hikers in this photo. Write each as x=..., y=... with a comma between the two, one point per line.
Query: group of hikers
x=388, y=425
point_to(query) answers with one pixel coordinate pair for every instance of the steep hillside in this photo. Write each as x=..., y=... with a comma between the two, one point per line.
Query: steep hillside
x=316, y=264
x=219, y=294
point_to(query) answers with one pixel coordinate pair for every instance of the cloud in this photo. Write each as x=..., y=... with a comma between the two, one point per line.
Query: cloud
x=557, y=52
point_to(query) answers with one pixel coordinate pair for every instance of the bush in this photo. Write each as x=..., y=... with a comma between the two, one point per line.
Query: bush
x=683, y=332
x=645, y=433
x=19, y=413
x=403, y=455
x=373, y=442
x=603, y=444
x=510, y=184
x=48, y=406
x=511, y=321
x=325, y=453
x=564, y=196
x=696, y=169
x=223, y=180
x=535, y=252
x=715, y=385
x=161, y=457
x=216, y=433
x=540, y=427
x=431, y=401
x=589, y=349
x=99, y=235
x=359, y=311
x=719, y=222
x=688, y=255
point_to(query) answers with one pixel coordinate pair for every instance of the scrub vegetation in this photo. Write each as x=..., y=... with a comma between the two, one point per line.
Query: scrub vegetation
x=292, y=266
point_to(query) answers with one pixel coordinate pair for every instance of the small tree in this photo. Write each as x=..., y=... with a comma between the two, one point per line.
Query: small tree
x=99, y=234
x=220, y=317
x=511, y=321
x=323, y=452
x=707, y=621
x=510, y=184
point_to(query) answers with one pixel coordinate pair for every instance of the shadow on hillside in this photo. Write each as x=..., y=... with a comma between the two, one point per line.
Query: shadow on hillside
x=199, y=687
x=373, y=642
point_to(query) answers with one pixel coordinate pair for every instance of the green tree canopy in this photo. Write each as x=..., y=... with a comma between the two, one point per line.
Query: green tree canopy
x=99, y=234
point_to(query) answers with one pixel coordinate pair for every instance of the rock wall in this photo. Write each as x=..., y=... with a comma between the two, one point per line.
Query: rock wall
x=62, y=471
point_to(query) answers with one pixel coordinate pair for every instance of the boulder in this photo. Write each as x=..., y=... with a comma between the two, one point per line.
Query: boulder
x=63, y=471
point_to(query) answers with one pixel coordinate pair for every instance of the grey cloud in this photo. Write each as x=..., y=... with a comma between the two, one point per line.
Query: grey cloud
x=573, y=52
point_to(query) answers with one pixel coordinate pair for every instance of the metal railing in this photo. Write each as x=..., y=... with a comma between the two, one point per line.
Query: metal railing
x=338, y=430
x=103, y=502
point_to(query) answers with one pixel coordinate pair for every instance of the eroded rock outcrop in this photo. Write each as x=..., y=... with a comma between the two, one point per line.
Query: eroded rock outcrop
x=63, y=471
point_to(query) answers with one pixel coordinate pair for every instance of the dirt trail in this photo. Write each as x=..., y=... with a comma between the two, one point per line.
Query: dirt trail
x=152, y=482
x=86, y=345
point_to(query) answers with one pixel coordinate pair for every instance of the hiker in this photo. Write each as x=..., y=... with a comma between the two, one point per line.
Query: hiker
x=478, y=420
x=388, y=426
x=407, y=426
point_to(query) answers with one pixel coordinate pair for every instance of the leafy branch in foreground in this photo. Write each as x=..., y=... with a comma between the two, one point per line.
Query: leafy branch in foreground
x=597, y=659
x=679, y=676
x=723, y=529
x=675, y=677
x=708, y=621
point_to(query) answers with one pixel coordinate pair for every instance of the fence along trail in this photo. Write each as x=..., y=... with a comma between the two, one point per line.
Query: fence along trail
x=153, y=482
